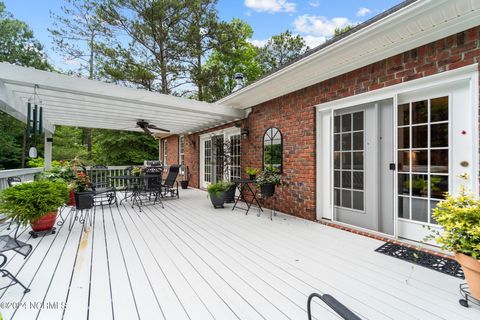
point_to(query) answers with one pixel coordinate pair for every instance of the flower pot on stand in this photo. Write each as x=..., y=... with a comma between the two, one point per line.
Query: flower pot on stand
x=44, y=223
x=267, y=190
x=218, y=199
x=471, y=269
x=71, y=198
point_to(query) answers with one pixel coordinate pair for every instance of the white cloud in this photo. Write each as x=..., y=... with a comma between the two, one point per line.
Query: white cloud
x=319, y=26
x=271, y=6
x=362, y=12
x=314, y=4
x=312, y=41
x=258, y=43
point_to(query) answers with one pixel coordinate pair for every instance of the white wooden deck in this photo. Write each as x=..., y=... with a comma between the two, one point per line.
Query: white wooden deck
x=190, y=261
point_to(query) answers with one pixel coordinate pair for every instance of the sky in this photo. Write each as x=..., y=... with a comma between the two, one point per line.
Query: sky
x=314, y=20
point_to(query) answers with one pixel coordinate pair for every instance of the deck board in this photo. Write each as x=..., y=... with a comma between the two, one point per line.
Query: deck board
x=190, y=261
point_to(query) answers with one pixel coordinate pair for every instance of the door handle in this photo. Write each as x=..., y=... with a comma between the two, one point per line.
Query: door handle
x=392, y=166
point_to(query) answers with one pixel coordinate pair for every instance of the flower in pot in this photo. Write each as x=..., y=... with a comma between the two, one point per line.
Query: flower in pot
x=267, y=181
x=83, y=194
x=216, y=192
x=252, y=172
x=34, y=203
x=460, y=218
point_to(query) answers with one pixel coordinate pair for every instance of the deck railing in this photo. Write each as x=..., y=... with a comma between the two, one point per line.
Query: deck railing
x=26, y=174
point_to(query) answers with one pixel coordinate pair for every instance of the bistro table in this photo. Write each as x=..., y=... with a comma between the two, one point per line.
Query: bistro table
x=244, y=186
x=138, y=184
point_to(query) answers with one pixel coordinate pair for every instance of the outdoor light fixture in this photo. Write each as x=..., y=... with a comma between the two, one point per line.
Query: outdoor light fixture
x=245, y=133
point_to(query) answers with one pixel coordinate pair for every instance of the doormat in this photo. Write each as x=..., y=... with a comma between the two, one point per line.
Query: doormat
x=424, y=259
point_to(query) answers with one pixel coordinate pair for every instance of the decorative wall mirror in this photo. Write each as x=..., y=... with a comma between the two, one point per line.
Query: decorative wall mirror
x=272, y=150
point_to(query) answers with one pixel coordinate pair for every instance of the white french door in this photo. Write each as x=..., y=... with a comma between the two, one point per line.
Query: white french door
x=213, y=147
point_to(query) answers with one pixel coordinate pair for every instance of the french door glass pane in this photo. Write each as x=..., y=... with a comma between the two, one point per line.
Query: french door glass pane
x=423, y=164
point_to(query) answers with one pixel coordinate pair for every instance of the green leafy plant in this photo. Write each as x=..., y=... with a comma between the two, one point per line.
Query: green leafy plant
x=136, y=171
x=219, y=187
x=40, y=162
x=268, y=177
x=80, y=183
x=252, y=171
x=28, y=202
x=460, y=218
x=59, y=173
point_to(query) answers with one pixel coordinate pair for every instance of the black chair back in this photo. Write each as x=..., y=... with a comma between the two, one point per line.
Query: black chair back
x=13, y=181
x=172, y=176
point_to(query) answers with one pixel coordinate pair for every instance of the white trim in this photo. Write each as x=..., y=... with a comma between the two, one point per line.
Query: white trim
x=417, y=24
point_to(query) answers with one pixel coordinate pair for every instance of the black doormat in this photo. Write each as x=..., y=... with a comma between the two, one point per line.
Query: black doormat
x=424, y=259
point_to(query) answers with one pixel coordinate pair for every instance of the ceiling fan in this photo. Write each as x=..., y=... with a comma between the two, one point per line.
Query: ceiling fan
x=145, y=126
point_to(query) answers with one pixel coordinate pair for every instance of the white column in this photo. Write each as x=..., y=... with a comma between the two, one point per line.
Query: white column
x=48, y=150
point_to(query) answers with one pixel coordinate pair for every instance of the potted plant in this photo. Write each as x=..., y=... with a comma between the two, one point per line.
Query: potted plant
x=216, y=192
x=63, y=172
x=184, y=181
x=81, y=187
x=136, y=171
x=252, y=172
x=460, y=218
x=267, y=181
x=34, y=203
x=230, y=193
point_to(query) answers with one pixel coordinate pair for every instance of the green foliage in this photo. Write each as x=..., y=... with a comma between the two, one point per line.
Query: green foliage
x=460, y=218
x=268, y=177
x=69, y=143
x=136, y=171
x=219, y=187
x=27, y=202
x=18, y=44
x=40, y=162
x=80, y=183
x=10, y=141
x=252, y=171
x=280, y=50
x=240, y=57
x=63, y=174
x=124, y=148
x=338, y=31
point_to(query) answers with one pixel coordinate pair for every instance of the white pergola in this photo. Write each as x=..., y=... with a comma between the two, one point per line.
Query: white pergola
x=73, y=101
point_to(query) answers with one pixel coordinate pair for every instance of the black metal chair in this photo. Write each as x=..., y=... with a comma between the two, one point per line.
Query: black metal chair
x=101, y=185
x=334, y=304
x=13, y=181
x=170, y=185
x=153, y=183
x=8, y=243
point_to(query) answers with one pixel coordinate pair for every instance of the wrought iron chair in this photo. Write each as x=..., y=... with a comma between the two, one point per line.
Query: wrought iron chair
x=13, y=181
x=8, y=243
x=105, y=193
x=334, y=304
x=153, y=184
x=170, y=185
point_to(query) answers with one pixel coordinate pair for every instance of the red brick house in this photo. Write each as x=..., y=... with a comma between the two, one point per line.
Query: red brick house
x=375, y=125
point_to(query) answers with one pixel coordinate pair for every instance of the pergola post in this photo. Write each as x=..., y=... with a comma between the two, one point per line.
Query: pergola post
x=48, y=150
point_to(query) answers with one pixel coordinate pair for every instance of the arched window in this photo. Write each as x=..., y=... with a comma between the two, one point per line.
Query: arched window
x=272, y=150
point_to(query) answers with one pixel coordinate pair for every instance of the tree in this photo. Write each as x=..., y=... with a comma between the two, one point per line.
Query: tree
x=221, y=66
x=151, y=26
x=124, y=148
x=18, y=44
x=280, y=50
x=76, y=35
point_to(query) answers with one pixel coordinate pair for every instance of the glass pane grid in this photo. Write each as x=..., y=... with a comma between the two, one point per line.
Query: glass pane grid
x=349, y=160
x=427, y=175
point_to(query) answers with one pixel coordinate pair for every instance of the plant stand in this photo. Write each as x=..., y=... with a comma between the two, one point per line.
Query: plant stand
x=467, y=297
x=272, y=211
x=35, y=234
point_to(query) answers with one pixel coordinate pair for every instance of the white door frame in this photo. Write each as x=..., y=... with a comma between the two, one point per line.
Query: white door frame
x=324, y=123
x=227, y=133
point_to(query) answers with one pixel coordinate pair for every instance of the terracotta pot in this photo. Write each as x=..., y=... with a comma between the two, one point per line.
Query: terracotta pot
x=471, y=269
x=71, y=199
x=44, y=223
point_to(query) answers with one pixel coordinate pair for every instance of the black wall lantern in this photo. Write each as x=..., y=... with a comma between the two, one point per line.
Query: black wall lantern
x=244, y=133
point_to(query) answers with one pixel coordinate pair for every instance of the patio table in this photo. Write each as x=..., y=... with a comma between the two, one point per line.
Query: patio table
x=139, y=182
x=245, y=185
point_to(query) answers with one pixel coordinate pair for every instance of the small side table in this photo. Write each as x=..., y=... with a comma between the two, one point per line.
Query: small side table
x=244, y=185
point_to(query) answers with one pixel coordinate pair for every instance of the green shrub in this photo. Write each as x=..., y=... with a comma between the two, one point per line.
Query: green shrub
x=268, y=177
x=30, y=201
x=40, y=162
x=252, y=171
x=58, y=173
x=460, y=218
x=217, y=188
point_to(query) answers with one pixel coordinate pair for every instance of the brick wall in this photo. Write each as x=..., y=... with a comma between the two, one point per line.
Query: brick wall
x=294, y=113
x=172, y=149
